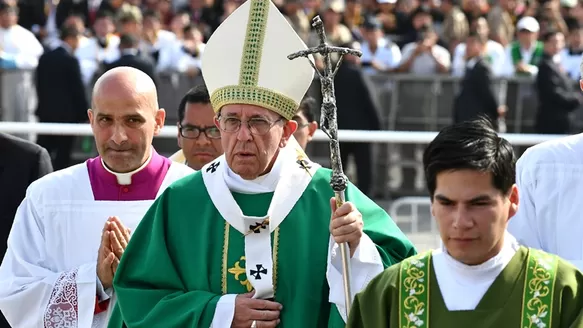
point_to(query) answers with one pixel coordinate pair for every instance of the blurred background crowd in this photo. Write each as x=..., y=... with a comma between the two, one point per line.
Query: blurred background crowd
x=424, y=64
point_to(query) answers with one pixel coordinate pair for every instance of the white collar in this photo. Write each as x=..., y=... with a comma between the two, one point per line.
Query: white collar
x=130, y=51
x=491, y=267
x=472, y=62
x=288, y=180
x=67, y=47
x=262, y=184
x=125, y=179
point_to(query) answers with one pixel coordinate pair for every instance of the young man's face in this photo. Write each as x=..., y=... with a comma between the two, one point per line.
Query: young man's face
x=305, y=130
x=472, y=215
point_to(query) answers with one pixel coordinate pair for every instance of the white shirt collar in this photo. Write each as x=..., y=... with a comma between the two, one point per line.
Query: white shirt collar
x=125, y=179
x=493, y=266
x=472, y=62
x=130, y=51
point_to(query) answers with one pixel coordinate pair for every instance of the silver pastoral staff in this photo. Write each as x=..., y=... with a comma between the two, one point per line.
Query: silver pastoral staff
x=329, y=124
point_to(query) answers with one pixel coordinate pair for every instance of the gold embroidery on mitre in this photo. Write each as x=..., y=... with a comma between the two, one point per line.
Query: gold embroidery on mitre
x=237, y=270
x=254, y=95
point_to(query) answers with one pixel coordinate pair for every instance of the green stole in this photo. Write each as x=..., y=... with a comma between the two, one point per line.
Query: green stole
x=415, y=298
x=536, y=57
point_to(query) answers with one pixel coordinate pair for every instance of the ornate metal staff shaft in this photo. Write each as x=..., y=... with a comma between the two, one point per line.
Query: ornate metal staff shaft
x=329, y=125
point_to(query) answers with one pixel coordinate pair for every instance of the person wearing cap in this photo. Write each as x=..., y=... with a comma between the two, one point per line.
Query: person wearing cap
x=251, y=240
x=379, y=54
x=524, y=54
x=480, y=277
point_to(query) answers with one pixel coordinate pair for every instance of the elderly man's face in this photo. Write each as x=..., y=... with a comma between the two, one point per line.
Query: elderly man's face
x=251, y=137
x=124, y=123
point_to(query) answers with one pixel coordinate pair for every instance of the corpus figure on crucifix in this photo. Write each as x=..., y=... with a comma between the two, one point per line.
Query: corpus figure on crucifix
x=251, y=240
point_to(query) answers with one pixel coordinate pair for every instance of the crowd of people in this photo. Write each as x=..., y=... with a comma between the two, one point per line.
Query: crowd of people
x=69, y=44
x=242, y=229
x=407, y=36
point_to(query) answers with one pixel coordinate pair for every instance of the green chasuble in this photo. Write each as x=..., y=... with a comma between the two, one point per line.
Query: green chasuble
x=535, y=290
x=185, y=254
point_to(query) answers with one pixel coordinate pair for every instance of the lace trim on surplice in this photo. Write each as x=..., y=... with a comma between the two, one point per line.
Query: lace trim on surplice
x=62, y=310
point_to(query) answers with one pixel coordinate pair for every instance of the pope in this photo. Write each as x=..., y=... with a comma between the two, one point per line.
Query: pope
x=251, y=240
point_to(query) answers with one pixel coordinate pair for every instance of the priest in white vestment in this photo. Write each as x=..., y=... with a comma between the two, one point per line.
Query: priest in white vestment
x=49, y=276
x=550, y=180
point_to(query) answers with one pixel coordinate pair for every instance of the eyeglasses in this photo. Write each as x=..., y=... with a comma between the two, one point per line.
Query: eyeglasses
x=193, y=132
x=257, y=126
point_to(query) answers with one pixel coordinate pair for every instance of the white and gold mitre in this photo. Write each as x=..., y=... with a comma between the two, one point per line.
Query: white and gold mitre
x=245, y=61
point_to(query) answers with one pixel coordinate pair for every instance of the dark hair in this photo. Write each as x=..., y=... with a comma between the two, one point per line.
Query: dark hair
x=308, y=108
x=128, y=40
x=197, y=95
x=478, y=37
x=69, y=32
x=78, y=15
x=549, y=34
x=152, y=14
x=189, y=28
x=573, y=24
x=103, y=14
x=7, y=7
x=472, y=145
x=421, y=10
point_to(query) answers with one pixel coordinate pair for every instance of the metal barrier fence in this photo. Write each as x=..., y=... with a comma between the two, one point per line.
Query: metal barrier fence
x=406, y=103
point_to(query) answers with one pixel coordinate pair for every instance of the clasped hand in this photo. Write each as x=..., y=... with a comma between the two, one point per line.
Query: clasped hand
x=346, y=225
x=247, y=310
x=114, y=240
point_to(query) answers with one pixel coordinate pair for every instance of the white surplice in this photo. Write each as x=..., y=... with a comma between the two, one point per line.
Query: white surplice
x=288, y=181
x=550, y=185
x=48, y=276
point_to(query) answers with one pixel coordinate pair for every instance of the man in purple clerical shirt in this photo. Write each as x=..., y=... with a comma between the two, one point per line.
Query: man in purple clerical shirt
x=68, y=234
